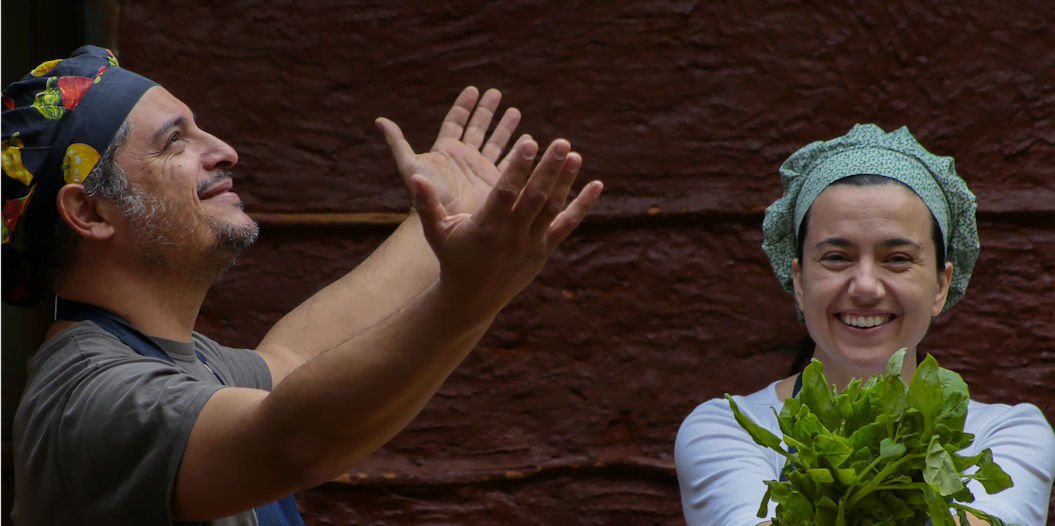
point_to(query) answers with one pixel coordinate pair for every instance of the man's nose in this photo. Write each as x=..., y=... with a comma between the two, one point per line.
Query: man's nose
x=218, y=155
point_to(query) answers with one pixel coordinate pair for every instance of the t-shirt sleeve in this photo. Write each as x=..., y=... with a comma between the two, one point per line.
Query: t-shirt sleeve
x=1023, y=444
x=122, y=435
x=239, y=367
x=721, y=471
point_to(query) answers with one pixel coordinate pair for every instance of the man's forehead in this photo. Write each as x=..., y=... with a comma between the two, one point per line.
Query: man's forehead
x=156, y=109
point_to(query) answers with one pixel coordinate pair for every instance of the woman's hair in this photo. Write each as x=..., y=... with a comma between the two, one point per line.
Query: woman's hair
x=804, y=347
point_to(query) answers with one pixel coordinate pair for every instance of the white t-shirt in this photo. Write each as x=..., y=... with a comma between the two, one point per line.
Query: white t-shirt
x=721, y=470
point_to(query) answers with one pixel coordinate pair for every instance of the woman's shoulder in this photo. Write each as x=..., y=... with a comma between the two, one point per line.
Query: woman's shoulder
x=716, y=414
x=982, y=416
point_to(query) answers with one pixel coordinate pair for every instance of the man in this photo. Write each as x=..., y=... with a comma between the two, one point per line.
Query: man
x=109, y=433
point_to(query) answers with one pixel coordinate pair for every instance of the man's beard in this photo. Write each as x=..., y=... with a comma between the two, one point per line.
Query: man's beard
x=166, y=240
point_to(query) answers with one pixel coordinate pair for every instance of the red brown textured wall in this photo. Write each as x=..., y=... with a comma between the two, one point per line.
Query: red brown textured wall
x=566, y=412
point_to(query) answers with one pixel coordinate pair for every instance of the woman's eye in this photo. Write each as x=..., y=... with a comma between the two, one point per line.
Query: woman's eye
x=835, y=258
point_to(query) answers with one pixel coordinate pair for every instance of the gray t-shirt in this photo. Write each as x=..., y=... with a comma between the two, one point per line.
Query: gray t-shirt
x=100, y=430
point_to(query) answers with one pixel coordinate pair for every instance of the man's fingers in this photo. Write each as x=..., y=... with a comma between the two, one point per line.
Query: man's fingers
x=493, y=149
x=485, y=111
x=401, y=150
x=510, y=183
x=427, y=203
x=569, y=219
x=538, y=188
x=454, y=123
x=505, y=162
x=559, y=195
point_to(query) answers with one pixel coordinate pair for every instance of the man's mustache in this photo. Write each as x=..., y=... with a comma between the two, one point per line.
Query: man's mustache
x=216, y=177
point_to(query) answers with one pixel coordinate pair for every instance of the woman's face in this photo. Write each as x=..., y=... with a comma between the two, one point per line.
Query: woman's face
x=868, y=283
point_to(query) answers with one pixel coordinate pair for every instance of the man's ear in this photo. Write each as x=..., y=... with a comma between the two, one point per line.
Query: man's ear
x=87, y=216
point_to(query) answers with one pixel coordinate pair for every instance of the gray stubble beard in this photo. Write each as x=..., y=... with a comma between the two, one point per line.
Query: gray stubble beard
x=159, y=236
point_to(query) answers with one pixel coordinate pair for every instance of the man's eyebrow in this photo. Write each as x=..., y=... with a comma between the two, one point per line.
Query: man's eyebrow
x=172, y=123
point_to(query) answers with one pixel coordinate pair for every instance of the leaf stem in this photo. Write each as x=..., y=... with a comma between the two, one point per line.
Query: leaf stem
x=872, y=484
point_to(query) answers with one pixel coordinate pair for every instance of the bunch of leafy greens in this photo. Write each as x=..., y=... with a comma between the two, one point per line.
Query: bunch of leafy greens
x=878, y=453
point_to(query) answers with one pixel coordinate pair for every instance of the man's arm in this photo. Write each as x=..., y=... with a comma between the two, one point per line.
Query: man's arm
x=249, y=447
x=461, y=166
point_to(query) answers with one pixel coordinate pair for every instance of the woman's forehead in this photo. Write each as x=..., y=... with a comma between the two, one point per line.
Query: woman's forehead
x=869, y=211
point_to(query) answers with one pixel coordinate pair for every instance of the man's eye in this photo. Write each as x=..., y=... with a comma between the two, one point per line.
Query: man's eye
x=174, y=137
x=835, y=258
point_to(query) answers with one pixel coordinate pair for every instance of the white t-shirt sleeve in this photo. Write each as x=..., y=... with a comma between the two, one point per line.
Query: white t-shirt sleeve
x=721, y=471
x=1024, y=446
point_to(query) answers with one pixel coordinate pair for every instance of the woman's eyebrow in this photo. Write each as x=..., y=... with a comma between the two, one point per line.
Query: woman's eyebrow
x=837, y=241
x=899, y=241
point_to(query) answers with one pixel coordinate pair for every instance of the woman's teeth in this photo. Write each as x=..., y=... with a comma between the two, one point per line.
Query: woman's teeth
x=864, y=321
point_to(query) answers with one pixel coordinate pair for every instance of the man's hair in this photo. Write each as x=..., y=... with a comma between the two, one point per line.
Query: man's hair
x=53, y=248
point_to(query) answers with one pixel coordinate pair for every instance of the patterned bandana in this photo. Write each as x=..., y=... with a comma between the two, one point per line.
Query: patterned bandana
x=869, y=150
x=57, y=121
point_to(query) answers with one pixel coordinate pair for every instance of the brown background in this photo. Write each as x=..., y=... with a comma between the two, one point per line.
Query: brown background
x=567, y=410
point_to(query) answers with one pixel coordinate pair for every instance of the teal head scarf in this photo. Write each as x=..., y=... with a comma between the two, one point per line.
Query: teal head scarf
x=867, y=149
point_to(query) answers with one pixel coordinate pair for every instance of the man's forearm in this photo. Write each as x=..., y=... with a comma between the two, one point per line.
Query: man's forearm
x=397, y=272
x=328, y=414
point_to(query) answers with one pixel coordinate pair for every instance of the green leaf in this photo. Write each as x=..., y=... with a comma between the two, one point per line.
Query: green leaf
x=759, y=434
x=788, y=415
x=924, y=393
x=868, y=439
x=991, y=519
x=938, y=509
x=802, y=482
x=763, y=510
x=817, y=395
x=955, y=396
x=845, y=476
x=894, y=364
x=797, y=509
x=891, y=450
x=990, y=475
x=892, y=402
x=940, y=472
x=821, y=475
x=897, y=506
x=833, y=449
x=953, y=439
x=827, y=511
x=964, y=495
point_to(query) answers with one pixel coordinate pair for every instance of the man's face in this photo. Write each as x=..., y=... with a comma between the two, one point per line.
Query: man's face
x=190, y=223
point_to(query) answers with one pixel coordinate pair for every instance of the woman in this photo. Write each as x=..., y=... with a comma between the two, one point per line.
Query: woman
x=873, y=236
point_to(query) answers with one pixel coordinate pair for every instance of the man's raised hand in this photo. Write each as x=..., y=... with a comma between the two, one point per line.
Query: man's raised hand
x=488, y=256
x=460, y=165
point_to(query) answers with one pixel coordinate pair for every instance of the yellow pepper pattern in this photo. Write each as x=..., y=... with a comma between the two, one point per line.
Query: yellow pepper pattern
x=49, y=101
x=12, y=211
x=45, y=67
x=11, y=159
x=78, y=163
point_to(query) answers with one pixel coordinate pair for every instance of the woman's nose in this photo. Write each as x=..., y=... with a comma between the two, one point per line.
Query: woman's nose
x=865, y=286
